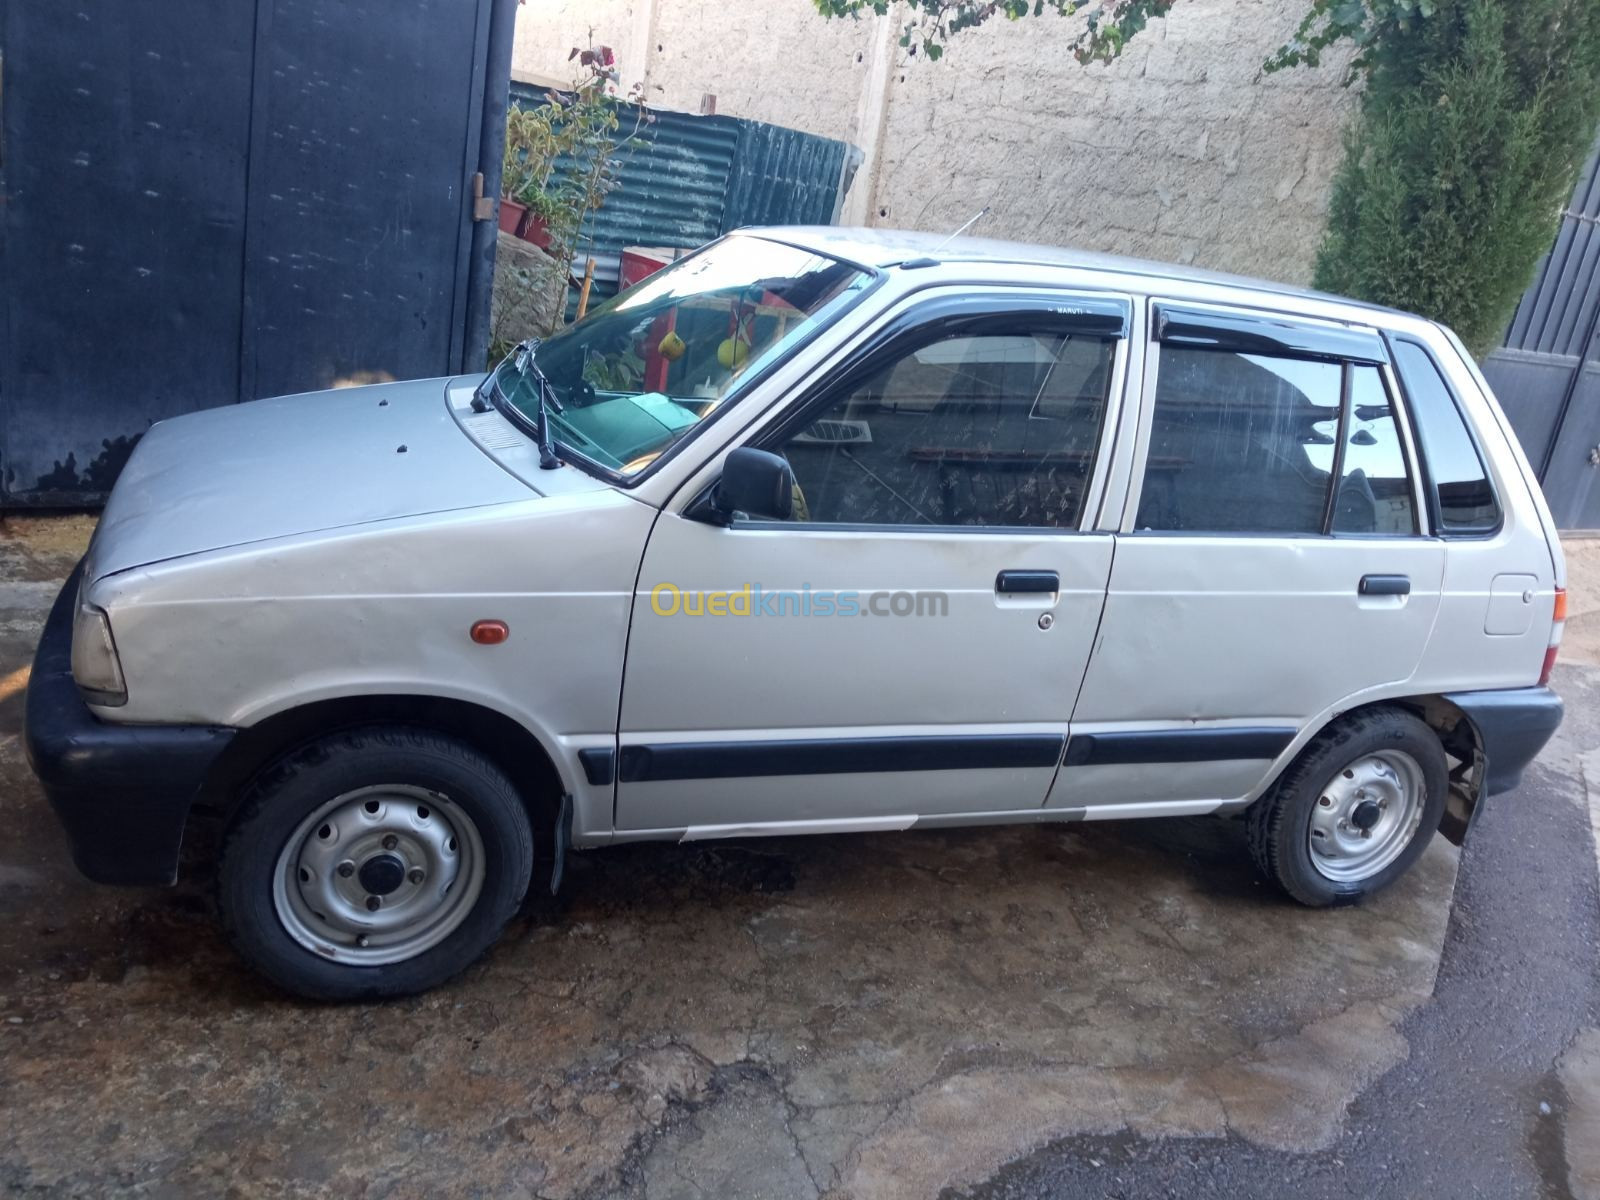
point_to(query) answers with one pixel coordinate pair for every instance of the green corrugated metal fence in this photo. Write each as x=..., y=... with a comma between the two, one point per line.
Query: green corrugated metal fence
x=685, y=179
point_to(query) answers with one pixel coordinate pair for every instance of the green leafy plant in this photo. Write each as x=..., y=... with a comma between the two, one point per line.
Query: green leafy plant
x=563, y=156
x=621, y=371
x=1108, y=24
x=1366, y=24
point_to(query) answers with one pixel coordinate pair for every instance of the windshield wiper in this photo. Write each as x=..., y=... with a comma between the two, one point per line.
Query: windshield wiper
x=544, y=398
x=522, y=360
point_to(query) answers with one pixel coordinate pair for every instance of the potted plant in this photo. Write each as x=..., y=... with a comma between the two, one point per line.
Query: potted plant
x=533, y=142
x=561, y=158
x=512, y=216
x=544, y=212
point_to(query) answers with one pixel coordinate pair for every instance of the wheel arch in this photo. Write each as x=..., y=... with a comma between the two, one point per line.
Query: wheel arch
x=501, y=739
x=1462, y=742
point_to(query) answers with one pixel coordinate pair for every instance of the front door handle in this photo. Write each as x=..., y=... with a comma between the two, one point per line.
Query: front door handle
x=1385, y=585
x=1015, y=583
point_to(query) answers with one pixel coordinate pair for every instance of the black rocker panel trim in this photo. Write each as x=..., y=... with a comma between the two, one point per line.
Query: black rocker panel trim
x=836, y=756
x=1177, y=745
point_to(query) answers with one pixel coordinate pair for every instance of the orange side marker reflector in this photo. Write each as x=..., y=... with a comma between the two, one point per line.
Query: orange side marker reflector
x=490, y=633
x=1561, y=605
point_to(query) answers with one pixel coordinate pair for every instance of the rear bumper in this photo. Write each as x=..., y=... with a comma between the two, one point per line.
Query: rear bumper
x=1512, y=727
x=123, y=792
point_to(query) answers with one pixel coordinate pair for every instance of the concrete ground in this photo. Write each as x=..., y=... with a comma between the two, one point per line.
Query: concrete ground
x=1095, y=1010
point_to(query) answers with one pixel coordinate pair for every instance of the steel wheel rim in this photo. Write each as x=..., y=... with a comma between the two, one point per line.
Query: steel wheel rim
x=1366, y=815
x=378, y=875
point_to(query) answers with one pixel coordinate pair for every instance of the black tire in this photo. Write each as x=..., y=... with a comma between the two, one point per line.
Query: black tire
x=289, y=791
x=1280, y=822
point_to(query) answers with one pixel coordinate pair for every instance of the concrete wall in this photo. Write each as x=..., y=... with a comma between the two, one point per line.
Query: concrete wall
x=1181, y=150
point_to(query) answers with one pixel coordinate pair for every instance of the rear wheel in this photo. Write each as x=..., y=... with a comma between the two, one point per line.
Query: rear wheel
x=378, y=862
x=1354, y=810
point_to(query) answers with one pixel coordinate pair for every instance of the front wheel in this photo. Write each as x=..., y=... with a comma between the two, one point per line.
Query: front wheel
x=1354, y=810
x=378, y=862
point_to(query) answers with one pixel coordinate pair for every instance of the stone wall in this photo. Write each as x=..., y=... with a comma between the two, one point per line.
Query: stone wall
x=530, y=290
x=772, y=60
x=1181, y=150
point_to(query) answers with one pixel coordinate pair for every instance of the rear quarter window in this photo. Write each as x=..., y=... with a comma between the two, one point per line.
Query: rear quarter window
x=1462, y=496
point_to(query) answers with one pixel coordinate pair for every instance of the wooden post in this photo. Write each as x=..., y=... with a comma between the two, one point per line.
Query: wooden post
x=583, y=293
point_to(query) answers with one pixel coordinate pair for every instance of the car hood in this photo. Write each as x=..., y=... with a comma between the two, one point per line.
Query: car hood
x=294, y=464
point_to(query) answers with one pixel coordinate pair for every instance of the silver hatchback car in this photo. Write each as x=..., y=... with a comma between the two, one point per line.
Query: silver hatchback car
x=815, y=531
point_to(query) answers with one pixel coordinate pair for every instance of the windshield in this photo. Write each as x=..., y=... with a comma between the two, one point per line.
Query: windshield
x=646, y=367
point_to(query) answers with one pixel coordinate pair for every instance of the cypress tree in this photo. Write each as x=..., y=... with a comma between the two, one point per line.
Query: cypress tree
x=1476, y=119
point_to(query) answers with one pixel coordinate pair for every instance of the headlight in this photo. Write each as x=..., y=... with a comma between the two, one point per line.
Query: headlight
x=95, y=668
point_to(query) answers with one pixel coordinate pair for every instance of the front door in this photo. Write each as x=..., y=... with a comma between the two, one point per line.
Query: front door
x=1272, y=570
x=910, y=644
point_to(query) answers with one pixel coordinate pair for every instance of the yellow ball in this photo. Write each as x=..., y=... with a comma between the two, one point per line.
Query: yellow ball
x=671, y=347
x=732, y=352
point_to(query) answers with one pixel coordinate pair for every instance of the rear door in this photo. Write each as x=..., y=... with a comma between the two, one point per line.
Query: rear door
x=1270, y=567
x=911, y=643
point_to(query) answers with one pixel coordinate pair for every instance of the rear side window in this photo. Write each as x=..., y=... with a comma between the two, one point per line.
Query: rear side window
x=1241, y=443
x=1465, y=498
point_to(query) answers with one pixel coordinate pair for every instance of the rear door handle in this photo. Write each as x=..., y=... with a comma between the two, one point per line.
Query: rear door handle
x=1385, y=585
x=1016, y=583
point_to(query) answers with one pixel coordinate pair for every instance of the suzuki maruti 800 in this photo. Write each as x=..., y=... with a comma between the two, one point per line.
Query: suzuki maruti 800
x=815, y=531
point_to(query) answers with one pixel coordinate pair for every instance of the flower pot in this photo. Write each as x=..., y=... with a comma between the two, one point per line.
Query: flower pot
x=536, y=230
x=511, y=214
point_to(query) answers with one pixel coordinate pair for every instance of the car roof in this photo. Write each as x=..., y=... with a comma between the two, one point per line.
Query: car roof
x=880, y=248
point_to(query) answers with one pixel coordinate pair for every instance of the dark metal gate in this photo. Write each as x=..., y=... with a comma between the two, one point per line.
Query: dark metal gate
x=218, y=200
x=1547, y=375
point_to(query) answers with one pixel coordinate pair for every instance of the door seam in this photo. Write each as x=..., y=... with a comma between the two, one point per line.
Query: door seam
x=1094, y=649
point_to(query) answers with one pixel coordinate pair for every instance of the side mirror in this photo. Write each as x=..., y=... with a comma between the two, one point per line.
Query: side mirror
x=756, y=482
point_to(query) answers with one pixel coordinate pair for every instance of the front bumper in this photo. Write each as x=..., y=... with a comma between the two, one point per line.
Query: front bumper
x=123, y=792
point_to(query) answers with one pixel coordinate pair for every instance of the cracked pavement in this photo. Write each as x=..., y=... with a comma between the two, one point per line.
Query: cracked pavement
x=1098, y=1009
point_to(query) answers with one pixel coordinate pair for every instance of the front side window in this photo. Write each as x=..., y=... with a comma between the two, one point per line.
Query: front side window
x=992, y=429
x=1240, y=443
x=1466, y=500
x=643, y=370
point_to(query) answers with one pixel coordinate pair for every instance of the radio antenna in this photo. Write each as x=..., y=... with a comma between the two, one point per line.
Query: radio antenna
x=971, y=221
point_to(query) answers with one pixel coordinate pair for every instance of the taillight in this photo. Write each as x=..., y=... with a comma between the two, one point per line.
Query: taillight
x=1558, y=622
